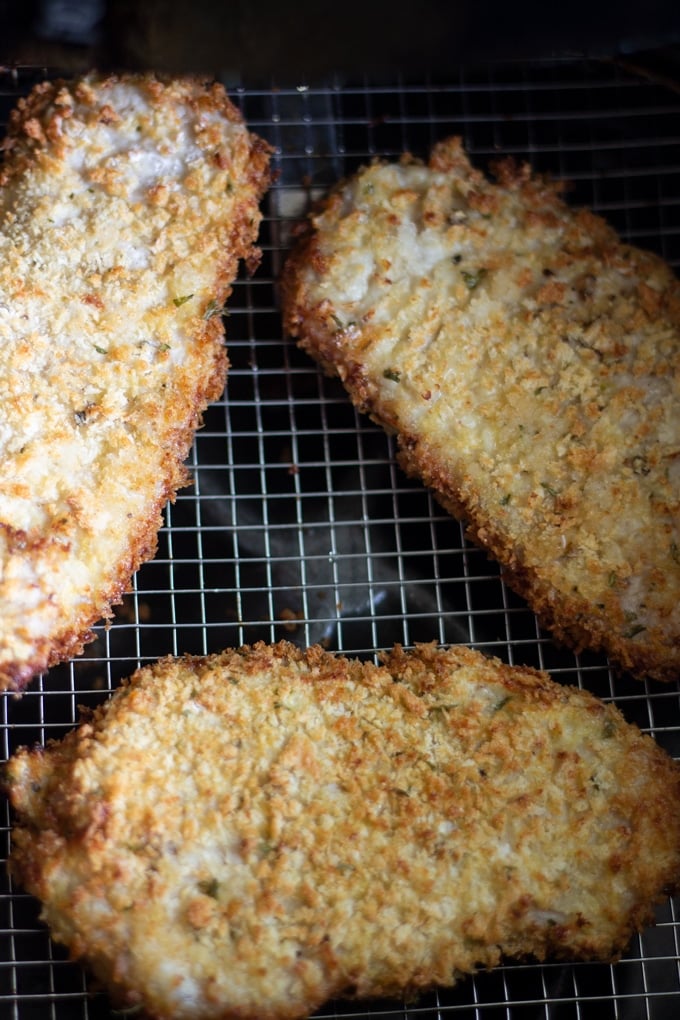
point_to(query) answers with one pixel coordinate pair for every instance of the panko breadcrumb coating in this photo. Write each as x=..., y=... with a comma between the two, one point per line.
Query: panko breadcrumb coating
x=125, y=206
x=528, y=362
x=249, y=834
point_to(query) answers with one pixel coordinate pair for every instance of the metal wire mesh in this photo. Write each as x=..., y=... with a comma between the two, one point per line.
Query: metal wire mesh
x=299, y=525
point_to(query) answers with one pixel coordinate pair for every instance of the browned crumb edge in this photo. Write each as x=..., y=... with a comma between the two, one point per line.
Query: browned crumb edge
x=242, y=246
x=570, y=619
x=405, y=667
x=142, y=548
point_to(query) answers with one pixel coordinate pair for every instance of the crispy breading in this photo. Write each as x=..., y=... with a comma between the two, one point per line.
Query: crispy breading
x=528, y=362
x=125, y=206
x=248, y=834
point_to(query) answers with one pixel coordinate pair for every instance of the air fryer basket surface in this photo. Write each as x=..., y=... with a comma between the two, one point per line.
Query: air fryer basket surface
x=299, y=524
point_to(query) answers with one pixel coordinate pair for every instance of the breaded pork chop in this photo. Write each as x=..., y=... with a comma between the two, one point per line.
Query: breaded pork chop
x=125, y=205
x=529, y=363
x=248, y=834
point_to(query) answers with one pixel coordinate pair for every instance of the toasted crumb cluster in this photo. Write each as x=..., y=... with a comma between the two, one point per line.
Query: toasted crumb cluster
x=248, y=834
x=528, y=362
x=125, y=205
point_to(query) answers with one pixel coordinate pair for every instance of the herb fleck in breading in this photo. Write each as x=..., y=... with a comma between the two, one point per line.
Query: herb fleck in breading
x=539, y=370
x=117, y=236
x=211, y=855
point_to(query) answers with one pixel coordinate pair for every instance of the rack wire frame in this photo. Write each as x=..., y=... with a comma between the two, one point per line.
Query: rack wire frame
x=299, y=524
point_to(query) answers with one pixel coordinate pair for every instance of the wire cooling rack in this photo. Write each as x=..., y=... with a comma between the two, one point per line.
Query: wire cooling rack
x=299, y=525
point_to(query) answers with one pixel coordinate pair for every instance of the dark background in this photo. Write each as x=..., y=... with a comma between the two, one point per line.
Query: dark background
x=314, y=38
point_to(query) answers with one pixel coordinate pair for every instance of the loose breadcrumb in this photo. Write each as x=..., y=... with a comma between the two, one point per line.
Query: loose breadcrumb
x=125, y=205
x=249, y=834
x=528, y=362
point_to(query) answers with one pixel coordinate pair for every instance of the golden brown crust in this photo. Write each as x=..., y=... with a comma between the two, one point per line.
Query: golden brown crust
x=126, y=204
x=249, y=834
x=528, y=362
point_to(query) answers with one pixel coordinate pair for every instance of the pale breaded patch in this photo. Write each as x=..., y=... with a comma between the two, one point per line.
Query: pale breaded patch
x=125, y=205
x=528, y=362
x=248, y=834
